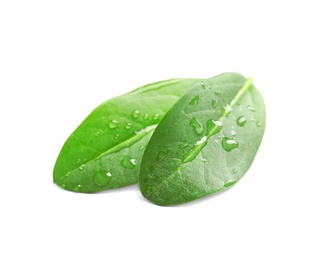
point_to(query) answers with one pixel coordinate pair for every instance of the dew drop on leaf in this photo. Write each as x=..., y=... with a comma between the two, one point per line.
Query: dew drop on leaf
x=229, y=182
x=201, y=141
x=259, y=123
x=227, y=110
x=128, y=125
x=234, y=170
x=203, y=85
x=213, y=127
x=113, y=124
x=161, y=155
x=82, y=167
x=250, y=143
x=241, y=121
x=183, y=144
x=128, y=162
x=252, y=108
x=194, y=101
x=155, y=117
x=229, y=144
x=77, y=188
x=102, y=180
x=217, y=93
x=146, y=116
x=214, y=103
x=141, y=148
x=198, y=128
x=136, y=114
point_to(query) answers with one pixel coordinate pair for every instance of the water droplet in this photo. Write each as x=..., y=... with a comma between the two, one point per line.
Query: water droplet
x=108, y=174
x=234, y=170
x=155, y=117
x=250, y=143
x=196, y=125
x=227, y=110
x=79, y=160
x=183, y=144
x=252, y=108
x=229, y=144
x=116, y=136
x=203, y=85
x=194, y=101
x=233, y=133
x=252, y=119
x=218, y=93
x=229, y=182
x=113, y=123
x=241, y=121
x=161, y=155
x=77, y=188
x=146, y=116
x=101, y=179
x=128, y=125
x=63, y=185
x=204, y=160
x=201, y=141
x=97, y=133
x=128, y=162
x=141, y=148
x=214, y=103
x=135, y=114
x=259, y=123
x=213, y=127
x=82, y=167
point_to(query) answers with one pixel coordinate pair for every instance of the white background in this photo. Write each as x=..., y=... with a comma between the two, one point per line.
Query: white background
x=60, y=59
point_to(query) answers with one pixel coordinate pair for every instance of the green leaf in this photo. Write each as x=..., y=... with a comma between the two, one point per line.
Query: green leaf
x=105, y=151
x=204, y=146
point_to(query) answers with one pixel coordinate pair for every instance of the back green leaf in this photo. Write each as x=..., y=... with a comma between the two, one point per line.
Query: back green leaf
x=205, y=143
x=105, y=151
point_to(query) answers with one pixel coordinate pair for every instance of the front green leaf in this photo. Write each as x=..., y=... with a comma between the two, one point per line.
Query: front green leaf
x=205, y=143
x=105, y=151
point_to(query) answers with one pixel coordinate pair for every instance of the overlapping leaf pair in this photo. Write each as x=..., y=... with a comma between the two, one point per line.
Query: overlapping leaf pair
x=181, y=139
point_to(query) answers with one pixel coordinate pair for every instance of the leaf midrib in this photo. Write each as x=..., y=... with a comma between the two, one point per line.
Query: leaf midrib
x=128, y=142
x=239, y=94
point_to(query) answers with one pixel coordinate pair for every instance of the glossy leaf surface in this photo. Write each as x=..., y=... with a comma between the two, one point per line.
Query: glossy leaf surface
x=205, y=143
x=105, y=151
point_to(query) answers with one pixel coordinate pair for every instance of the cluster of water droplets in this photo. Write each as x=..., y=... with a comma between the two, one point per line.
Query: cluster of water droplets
x=213, y=127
